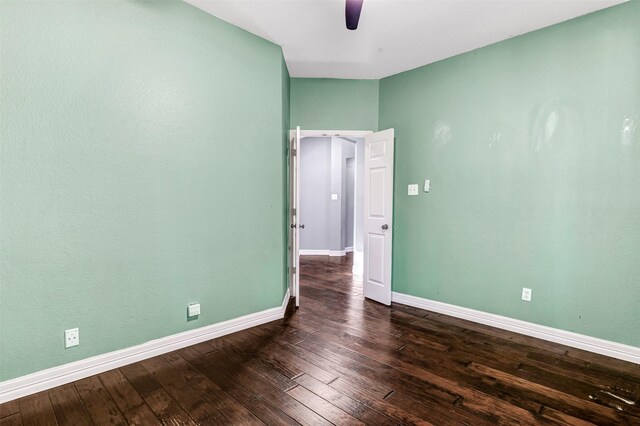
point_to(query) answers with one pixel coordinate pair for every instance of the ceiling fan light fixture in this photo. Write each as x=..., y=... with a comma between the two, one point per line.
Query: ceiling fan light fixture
x=352, y=13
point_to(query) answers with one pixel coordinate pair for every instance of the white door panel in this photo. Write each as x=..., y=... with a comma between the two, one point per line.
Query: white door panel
x=375, y=259
x=378, y=220
x=376, y=200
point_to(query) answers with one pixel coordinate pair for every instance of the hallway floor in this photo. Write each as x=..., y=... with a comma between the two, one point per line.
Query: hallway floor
x=344, y=360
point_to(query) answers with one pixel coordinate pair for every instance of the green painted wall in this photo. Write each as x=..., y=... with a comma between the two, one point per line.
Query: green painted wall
x=141, y=170
x=532, y=146
x=333, y=104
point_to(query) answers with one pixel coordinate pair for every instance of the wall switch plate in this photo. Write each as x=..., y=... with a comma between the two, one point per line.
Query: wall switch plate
x=334, y=197
x=526, y=294
x=412, y=189
x=193, y=310
x=71, y=338
x=427, y=185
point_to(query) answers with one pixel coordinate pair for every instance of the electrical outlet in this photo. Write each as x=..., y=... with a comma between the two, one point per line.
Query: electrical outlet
x=71, y=338
x=412, y=189
x=526, y=294
x=193, y=310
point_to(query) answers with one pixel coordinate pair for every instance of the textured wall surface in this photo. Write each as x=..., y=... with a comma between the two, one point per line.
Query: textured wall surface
x=532, y=146
x=131, y=180
x=333, y=104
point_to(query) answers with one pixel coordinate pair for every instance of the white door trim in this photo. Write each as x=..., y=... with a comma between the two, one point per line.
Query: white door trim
x=334, y=133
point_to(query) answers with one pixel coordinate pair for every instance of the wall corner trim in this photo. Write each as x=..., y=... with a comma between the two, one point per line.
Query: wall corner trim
x=568, y=338
x=67, y=373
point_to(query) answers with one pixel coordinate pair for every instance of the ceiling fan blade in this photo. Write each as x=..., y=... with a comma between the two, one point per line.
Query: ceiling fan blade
x=352, y=13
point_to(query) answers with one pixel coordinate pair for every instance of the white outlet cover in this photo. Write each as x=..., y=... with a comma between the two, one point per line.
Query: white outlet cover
x=412, y=189
x=526, y=294
x=71, y=337
x=193, y=310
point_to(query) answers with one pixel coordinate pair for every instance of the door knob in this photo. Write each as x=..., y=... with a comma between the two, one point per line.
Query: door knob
x=385, y=227
x=302, y=226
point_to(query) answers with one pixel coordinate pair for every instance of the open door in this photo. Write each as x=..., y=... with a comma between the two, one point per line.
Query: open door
x=294, y=236
x=378, y=215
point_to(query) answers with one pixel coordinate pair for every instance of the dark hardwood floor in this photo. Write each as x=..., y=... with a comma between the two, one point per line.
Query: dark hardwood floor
x=342, y=360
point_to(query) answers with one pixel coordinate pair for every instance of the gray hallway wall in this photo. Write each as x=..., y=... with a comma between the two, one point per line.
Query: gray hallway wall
x=323, y=171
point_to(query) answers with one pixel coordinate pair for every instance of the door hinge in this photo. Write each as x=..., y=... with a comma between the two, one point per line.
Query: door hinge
x=294, y=152
x=293, y=211
x=294, y=270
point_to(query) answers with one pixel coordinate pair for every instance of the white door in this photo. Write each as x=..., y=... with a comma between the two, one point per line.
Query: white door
x=294, y=236
x=378, y=211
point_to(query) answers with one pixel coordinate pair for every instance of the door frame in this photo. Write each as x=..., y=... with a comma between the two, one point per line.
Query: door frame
x=306, y=134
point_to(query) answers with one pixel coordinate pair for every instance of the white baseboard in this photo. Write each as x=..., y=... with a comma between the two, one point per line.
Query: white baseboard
x=323, y=253
x=314, y=252
x=63, y=374
x=568, y=338
x=348, y=249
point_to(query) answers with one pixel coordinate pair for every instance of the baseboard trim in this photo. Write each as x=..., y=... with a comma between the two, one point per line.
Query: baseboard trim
x=568, y=338
x=314, y=252
x=348, y=249
x=63, y=374
x=323, y=253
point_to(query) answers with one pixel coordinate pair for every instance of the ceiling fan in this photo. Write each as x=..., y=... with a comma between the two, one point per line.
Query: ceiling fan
x=352, y=13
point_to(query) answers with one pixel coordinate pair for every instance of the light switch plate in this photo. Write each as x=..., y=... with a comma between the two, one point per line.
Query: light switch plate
x=193, y=310
x=334, y=196
x=412, y=189
x=427, y=185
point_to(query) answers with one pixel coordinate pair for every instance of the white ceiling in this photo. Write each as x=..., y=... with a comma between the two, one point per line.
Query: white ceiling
x=393, y=35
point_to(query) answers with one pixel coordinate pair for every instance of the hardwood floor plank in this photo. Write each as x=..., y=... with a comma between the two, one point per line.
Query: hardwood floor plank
x=9, y=408
x=282, y=359
x=140, y=378
x=98, y=403
x=253, y=401
x=121, y=391
x=250, y=379
x=166, y=409
x=327, y=410
x=231, y=409
x=141, y=415
x=593, y=412
x=13, y=420
x=68, y=407
x=193, y=402
x=375, y=402
x=345, y=403
x=37, y=410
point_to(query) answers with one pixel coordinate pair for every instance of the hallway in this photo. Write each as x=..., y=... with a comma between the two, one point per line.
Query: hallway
x=344, y=360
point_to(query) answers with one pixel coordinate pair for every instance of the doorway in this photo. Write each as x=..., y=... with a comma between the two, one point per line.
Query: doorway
x=330, y=191
x=341, y=205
